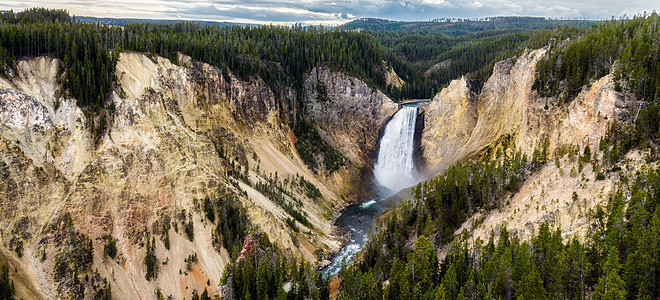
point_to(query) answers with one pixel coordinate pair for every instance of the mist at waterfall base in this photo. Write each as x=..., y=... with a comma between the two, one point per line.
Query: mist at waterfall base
x=393, y=171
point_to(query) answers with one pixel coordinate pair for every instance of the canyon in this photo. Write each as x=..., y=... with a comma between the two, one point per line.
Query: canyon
x=179, y=133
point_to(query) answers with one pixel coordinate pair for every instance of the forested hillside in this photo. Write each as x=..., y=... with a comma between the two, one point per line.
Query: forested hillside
x=630, y=47
x=279, y=55
x=617, y=258
x=457, y=27
x=444, y=50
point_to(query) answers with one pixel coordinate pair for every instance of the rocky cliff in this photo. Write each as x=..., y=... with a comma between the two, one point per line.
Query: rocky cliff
x=350, y=116
x=175, y=135
x=348, y=113
x=448, y=121
x=458, y=124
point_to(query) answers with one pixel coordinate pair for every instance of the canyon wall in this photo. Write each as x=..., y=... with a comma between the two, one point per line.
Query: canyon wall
x=459, y=124
x=175, y=135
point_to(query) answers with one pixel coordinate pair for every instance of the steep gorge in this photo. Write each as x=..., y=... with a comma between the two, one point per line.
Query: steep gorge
x=180, y=133
x=459, y=124
x=176, y=134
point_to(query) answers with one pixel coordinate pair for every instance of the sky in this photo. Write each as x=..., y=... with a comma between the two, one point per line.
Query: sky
x=338, y=11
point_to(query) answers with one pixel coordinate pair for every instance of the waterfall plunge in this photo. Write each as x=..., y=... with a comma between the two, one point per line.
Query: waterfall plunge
x=395, y=169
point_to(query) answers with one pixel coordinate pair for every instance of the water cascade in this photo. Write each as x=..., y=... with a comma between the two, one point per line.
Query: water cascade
x=395, y=169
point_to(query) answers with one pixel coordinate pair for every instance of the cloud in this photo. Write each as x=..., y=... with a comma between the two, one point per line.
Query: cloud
x=335, y=11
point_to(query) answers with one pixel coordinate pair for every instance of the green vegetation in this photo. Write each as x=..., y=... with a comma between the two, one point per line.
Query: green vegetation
x=18, y=247
x=458, y=27
x=87, y=64
x=232, y=221
x=7, y=289
x=166, y=236
x=74, y=257
x=444, y=202
x=189, y=228
x=275, y=191
x=150, y=260
x=311, y=191
x=292, y=224
x=110, y=248
x=203, y=296
x=263, y=271
x=191, y=260
x=309, y=143
x=630, y=46
x=644, y=134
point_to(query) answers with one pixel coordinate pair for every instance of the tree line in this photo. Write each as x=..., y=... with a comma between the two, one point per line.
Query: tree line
x=629, y=48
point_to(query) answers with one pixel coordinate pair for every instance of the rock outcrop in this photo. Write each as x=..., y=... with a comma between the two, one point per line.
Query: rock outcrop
x=348, y=113
x=458, y=124
x=455, y=125
x=448, y=122
x=178, y=133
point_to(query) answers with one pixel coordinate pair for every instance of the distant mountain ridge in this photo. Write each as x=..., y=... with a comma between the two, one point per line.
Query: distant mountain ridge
x=454, y=27
x=125, y=21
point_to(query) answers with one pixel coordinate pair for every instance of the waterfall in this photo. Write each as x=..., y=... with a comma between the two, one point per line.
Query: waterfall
x=395, y=169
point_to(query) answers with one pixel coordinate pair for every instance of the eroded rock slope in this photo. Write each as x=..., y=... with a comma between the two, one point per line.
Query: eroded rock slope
x=459, y=124
x=176, y=134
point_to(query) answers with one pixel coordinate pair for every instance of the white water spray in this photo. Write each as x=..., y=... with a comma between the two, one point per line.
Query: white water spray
x=395, y=168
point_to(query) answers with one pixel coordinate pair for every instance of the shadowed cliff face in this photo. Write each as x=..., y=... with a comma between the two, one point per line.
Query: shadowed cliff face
x=350, y=117
x=178, y=133
x=349, y=114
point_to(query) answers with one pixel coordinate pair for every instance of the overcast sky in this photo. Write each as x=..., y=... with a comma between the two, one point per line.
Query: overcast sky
x=337, y=11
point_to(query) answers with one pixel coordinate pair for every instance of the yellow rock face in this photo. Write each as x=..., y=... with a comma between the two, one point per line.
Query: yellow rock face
x=174, y=133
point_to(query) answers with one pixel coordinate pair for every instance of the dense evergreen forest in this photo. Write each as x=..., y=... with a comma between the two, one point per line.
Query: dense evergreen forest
x=263, y=269
x=6, y=283
x=457, y=27
x=447, y=49
x=630, y=48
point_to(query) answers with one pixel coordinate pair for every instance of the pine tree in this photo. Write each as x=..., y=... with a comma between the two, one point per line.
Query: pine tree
x=423, y=264
x=449, y=286
x=6, y=284
x=262, y=280
x=611, y=286
x=578, y=267
x=649, y=253
x=531, y=285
